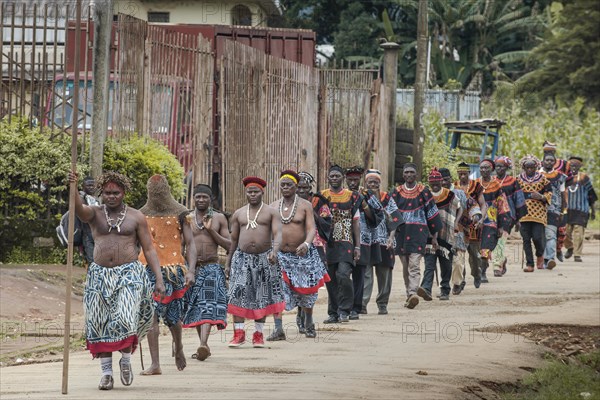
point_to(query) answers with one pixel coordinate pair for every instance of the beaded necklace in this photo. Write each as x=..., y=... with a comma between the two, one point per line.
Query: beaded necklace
x=289, y=219
x=409, y=189
x=576, y=185
x=120, y=219
x=252, y=223
x=488, y=185
x=200, y=225
x=502, y=181
x=527, y=179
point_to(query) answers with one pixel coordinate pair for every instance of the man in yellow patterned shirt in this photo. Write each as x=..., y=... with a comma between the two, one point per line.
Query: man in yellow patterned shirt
x=538, y=193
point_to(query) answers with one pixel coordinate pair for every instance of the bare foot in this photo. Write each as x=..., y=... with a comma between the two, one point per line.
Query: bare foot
x=152, y=370
x=180, y=360
x=202, y=353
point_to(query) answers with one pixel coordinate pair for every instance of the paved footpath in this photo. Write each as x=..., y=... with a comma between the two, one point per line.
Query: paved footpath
x=375, y=357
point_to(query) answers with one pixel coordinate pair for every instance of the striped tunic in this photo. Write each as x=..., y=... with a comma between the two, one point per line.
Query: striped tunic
x=581, y=198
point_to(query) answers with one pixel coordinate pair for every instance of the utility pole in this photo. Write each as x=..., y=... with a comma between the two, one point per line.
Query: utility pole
x=387, y=138
x=103, y=21
x=420, y=85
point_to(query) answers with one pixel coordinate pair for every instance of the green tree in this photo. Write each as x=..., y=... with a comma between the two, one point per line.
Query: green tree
x=568, y=62
x=139, y=158
x=477, y=42
x=357, y=33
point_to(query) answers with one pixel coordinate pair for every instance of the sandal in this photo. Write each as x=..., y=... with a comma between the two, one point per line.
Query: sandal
x=202, y=353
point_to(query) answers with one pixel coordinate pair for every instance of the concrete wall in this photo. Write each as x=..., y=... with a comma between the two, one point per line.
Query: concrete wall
x=192, y=12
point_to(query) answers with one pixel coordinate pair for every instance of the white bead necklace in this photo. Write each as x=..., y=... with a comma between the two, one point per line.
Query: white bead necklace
x=287, y=220
x=252, y=223
x=120, y=219
x=576, y=186
x=409, y=189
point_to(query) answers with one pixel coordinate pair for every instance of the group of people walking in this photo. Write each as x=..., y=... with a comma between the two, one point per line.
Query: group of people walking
x=344, y=237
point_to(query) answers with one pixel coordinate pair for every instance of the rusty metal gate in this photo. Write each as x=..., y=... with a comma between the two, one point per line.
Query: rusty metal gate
x=35, y=85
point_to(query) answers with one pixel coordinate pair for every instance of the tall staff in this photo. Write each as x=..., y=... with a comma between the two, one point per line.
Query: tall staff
x=72, y=195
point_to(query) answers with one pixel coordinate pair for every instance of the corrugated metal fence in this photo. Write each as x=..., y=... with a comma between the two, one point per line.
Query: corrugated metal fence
x=451, y=104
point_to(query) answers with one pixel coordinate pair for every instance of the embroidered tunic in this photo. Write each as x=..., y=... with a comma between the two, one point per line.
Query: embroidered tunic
x=421, y=218
x=379, y=235
x=537, y=210
x=448, y=204
x=557, y=183
x=497, y=215
x=464, y=222
x=370, y=252
x=514, y=197
x=344, y=208
x=473, y=190
x=323, y=221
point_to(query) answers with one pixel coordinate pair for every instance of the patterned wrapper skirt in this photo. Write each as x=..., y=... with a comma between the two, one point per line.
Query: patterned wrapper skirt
x=255, y=286
x=302, y=276
x=206, y=301
x=170, y=308
x=117, y=304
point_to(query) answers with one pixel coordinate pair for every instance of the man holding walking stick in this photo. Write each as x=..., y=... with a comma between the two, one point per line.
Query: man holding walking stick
x=117, y=300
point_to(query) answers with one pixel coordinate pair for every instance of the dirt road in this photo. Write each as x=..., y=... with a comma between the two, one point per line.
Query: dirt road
x=427, y=353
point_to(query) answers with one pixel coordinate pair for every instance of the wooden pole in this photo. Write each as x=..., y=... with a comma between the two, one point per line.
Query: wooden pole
x=420, y=87
x=103, y=23
x=72, y=194
x=387, y=137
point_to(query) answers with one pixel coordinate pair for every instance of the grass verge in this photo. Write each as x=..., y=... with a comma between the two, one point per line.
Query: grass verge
x=579, y=378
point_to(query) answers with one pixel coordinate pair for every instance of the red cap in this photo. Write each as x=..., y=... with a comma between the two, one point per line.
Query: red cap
x=435, y=175
x=254, y=181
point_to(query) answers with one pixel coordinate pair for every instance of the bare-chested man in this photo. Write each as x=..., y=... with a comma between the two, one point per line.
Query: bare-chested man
x=255, y=284
x=303, y=271
x=162, y=215
x=117, y=300
x=205, y=302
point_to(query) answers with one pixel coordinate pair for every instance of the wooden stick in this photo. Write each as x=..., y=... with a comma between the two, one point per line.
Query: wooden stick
x=72, y=194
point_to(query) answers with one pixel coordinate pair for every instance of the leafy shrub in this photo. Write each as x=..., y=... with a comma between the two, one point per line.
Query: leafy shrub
x=436, y=153
x=33, y=171
x=33, y=189
x=26, y=255
x=573, y=127
x=140, y=158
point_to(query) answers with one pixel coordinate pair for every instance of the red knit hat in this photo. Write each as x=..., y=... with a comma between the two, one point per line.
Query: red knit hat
x=435, y=175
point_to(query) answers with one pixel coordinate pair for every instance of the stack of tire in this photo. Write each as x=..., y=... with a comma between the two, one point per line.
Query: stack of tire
x=404, y=150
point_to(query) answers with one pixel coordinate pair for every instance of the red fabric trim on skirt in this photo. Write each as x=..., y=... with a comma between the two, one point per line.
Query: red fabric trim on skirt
x=177, y=294
x=220, y=324
x=256, y=314
x=310, y=290
x=109, y=347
